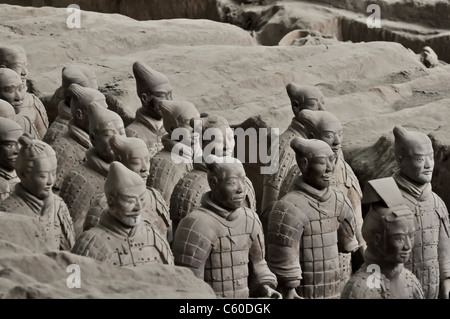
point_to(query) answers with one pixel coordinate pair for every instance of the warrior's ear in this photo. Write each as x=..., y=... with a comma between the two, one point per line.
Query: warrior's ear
x=212, y=181
x=302, y=163
x=144, y=97
x=378, y=241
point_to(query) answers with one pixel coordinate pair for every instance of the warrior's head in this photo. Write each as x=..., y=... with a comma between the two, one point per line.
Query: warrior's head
x=316, y=161
x=151, y=86
x=36, y=166
x=103, y=124
x=226, y=178
x=388, y=227
x=10, y=132
x=15, y=58
x=131, y=152
x=414, y=154
x=304, y=97
x=323, y=126
x=125, y=193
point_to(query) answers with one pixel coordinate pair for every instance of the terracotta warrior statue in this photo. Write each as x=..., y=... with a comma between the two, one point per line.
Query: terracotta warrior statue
x=309, y=226
x=301, y=97
x=85, y=181
x=388, y=229
x=216, y=137
x=151, y=86
x=71, y=146
x=430, y=256
x=15, y=58
x=58, y=107
x=133, y=153
x=171, y=163
x=10, y=132
x=32, y=196
x=121, y=237
x=222, y=241
x=327, y=127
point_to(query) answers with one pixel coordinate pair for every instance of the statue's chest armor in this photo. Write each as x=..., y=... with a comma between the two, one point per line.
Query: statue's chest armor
x=424, y=259
x=140, y=249
x=226, y=269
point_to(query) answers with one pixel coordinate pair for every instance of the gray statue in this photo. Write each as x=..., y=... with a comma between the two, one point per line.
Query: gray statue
x=151, y=86
x=14, y=57
x=133, y=153
x=309, y=226
x=430, y=257
x=222, y=241
x=327, y=127
x=7, y=111
x=32, y=196
x=189, y=190
x=71, y=146
x=301, y=97
x=10, y=132
x=171, y=163
x=388, y=229
x=121, y=237
x=85, y=181
x=58, y=107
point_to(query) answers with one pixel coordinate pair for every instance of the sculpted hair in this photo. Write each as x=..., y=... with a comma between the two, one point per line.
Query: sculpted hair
x=30, y=151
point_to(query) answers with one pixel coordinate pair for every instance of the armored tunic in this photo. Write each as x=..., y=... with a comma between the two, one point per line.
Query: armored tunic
x=7, y=182
x=70, y=151
x=34, y=109
x=399, y=283
x=430, y=256
x=60, y=125
x=112, y=243
x=156, y=212
x=345, y=180
x=190, y=189
x=286, y=159
x=222, y=248
x=51, y=213
x=148, y=129
x=81, y=185
x=306, y=230
x=164, y=172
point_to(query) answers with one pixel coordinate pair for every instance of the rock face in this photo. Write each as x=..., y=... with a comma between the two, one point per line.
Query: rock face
x=220, y=68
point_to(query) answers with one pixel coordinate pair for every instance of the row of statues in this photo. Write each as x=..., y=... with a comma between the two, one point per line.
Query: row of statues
x=138, y=193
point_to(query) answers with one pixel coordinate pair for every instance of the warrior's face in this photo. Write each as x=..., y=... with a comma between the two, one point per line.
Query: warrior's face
x=40, y=178
x=12, y=90
x=101, y=138
x=319, y=169
x=399, y=240
x=217, y=140
x=19, y=63
x=229, y=191
x=331, y=133
x=128, y=204
x=9, y=149
x=139, y=162
x=150, y=101
x=418, y=164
